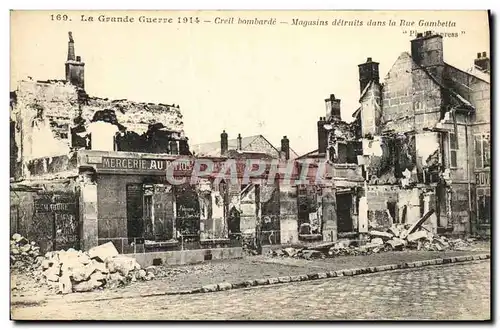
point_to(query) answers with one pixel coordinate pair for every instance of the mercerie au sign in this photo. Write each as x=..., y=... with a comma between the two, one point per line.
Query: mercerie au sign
x=119, y=164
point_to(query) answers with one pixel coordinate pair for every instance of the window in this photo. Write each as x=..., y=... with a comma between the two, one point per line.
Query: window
x=483, y=206
x=482, y=150
x=453, y=140
x=342, y=153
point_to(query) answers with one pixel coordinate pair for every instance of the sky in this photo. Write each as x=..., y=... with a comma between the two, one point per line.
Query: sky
x=269, y=80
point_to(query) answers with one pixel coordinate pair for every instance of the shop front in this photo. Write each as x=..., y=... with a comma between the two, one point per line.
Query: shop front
x=150, y=203
x=140, y=210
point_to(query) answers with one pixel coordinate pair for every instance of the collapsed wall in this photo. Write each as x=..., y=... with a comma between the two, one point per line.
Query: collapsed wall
x=51, y=119
x=43, y=112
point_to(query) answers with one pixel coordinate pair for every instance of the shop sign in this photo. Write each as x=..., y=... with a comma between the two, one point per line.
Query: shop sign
x=62, y=203
x=483, y=178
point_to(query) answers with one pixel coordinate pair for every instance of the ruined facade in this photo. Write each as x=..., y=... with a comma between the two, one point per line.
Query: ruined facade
x=425, y=132
x=338, y=146
x=257, y=211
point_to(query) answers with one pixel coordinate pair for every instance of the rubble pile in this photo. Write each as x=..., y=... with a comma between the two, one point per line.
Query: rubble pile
x=299, y=252
x=401, y=237
x=77, y=271
x=24, y=256
x=397, y=238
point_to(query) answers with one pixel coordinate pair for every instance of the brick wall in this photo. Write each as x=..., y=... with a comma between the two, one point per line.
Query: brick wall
x=427, y=100
x=38, y=226
x=397, y=96
x=411, y=99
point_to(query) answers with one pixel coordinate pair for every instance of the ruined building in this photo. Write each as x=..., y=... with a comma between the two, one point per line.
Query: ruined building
x=88, y=170
x=419, y=141
x=339, y=145
x=426, y=140
x=255, y=208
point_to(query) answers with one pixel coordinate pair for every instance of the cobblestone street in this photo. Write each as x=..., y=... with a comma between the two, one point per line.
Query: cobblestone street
x=446, y=292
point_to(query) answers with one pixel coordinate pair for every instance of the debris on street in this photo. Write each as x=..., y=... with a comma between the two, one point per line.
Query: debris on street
x=76, y=271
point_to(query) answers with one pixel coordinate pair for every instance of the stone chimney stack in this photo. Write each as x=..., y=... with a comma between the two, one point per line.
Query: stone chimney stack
x=71, y=48
x=332, y=108
x=74, y=66
x=239, y=142
x=427, y=51
x=482, y=62
x=322, y=135
x=367, y=72
x=285, y=147
x=223, y=143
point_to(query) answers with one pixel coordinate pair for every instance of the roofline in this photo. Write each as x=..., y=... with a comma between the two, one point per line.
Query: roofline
x=453, y=93
x=255, y=138
x=356, y=113
x=272, y=145
x=468, y=73
x=307, y=154
x=204, y=143
x=365, y=90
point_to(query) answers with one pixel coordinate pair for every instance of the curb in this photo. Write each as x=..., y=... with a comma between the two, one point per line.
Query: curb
x=302, y=278
x=330, y=274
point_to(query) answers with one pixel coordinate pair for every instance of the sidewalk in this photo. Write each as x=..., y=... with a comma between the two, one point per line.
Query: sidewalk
x=185, y=278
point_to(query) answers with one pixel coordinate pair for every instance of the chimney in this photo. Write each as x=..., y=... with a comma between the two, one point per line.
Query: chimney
x=223, y=143
x=322, y=135
x=332, y=108
x=285, y=147
x=482, y=62
x=74, y=67
x=367, y=72
x=184, y=147
x=239, y=141
x=427, y=51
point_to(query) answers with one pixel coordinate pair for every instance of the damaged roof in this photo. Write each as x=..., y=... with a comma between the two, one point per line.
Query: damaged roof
x=312, y=154
x=213, y=149
x=445, y=86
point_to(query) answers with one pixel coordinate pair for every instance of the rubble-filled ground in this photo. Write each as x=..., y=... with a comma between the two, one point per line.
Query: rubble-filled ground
x=397, y=238
x=179, y=278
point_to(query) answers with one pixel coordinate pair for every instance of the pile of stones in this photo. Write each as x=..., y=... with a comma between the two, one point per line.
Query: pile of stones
x=24, y=254
x=396, y=238
x=76, y=271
